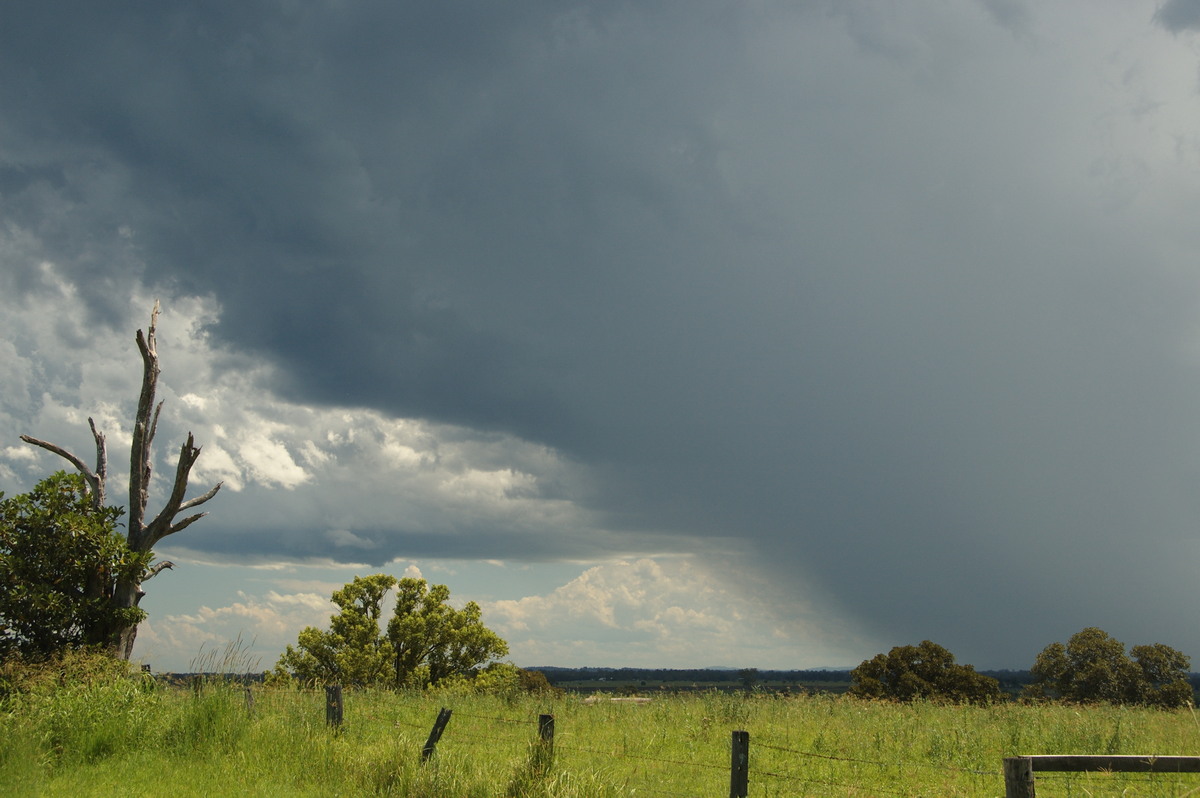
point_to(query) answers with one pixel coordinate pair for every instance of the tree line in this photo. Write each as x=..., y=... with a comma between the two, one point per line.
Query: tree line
x=1090, y=667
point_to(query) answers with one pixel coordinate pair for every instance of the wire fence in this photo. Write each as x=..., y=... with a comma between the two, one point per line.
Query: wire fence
x=773, y=769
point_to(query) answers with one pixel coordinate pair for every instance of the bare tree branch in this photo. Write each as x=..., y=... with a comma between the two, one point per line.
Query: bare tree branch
x=83, y=468
x=199, y=500
x=95, y=479
x=164, y=523
x=143, y=428
x=101, y=466
x=154, y=425
x=158, y=568
x=188, y=453
x=184, y=524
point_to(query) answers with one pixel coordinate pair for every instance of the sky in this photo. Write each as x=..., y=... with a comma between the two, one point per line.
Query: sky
x=675, y=334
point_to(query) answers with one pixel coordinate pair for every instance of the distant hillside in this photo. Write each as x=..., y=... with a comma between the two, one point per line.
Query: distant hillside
x=644, y=679
x=613, y=680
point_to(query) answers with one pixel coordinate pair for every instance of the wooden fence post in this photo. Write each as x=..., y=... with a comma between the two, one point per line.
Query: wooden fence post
x=541, y=755
x=1019, y=770
x=249, y=700
x=739, y=765
x=435, y=734
x=1018, y=777
x=333, y=705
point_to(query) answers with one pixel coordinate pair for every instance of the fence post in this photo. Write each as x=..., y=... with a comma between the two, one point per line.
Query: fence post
x=249, y=700
x=1019, y=770
x=739, y=765
x=1018, y=777
x=333, y=705
x=435, y=734
x=541, y=755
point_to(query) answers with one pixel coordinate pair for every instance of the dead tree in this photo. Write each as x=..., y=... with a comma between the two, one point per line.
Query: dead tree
x=125, y=591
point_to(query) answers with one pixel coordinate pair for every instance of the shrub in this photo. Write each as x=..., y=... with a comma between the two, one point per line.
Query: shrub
x=927, y=671
x=1093, y=667
x=88, y=667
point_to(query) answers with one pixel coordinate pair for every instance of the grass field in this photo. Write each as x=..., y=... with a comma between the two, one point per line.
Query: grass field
x=129, y=738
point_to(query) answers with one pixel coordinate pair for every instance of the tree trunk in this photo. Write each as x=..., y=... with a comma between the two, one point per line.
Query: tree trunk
x=141, y=536
x=127, y=594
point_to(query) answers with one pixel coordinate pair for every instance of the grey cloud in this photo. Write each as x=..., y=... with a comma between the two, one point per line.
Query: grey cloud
x=834, y=282
x=1178, y=15
x=1015, y=15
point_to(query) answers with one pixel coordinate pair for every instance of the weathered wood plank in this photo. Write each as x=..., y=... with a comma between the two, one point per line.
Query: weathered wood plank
x=1116, y=764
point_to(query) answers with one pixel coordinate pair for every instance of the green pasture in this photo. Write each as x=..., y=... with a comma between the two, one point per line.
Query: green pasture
x=129, y=738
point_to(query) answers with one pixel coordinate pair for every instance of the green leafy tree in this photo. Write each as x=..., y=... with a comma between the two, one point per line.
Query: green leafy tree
x=923, y=672
x=1093, y=667
x=432, y=640
x=353, y=651
x=1164, y=676
x=426, y=641
x=61, y=560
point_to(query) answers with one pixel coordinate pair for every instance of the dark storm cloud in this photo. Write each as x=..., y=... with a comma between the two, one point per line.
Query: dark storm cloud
x=1179, y=15
x=851, y=286
x=422, y=184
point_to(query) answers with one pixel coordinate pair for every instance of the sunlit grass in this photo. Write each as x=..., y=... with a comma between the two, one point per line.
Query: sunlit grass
x=132, y=738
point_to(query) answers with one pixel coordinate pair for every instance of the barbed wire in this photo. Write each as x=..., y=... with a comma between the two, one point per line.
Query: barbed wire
x=642, y=757
x=484, y=738
x=473, y=738
x=653, y=791
x=896, y=763
x=497, y=720
x=704, y=765
x=472, y=717
x=826, y=783
x=559, y=746
x=410, y=725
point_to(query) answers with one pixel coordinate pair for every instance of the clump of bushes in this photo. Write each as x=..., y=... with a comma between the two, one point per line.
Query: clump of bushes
x=1093, y=667
x=70, y=667
x=924, y=672
x=501, y=678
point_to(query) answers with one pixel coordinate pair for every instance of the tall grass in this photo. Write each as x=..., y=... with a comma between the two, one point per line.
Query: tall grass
x=231, y=660
x=117, y=735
